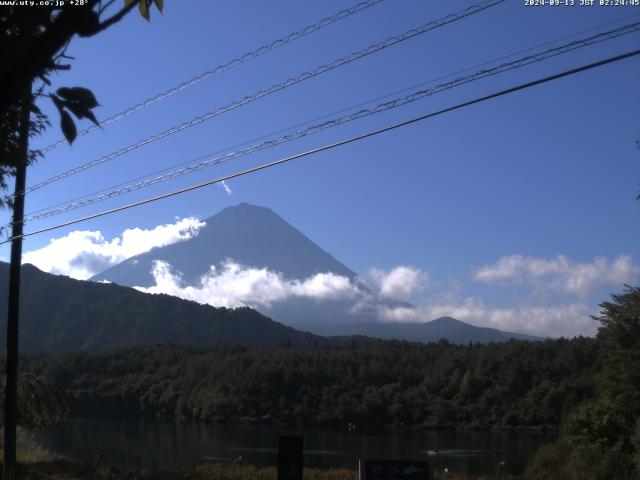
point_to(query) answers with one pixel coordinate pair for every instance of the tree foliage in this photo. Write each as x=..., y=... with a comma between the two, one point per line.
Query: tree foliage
x=375, y=384
x=619, y=334
x=601, y=438
x=40, y=405
x=33, y=45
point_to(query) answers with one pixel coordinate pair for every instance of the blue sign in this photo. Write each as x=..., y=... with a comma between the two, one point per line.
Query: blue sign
x=394, y=470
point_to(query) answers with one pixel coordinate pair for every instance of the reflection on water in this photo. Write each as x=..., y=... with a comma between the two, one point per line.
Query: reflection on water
x=156, y=445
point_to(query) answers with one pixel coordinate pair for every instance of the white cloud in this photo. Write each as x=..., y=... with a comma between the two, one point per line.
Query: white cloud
x=234, y=285
x=560, y=273
x=226, y=187
x=555, y=321
x=400, y=282
x=81, y=254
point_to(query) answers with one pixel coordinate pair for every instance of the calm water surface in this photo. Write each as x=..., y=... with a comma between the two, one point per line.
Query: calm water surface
x=155, y=445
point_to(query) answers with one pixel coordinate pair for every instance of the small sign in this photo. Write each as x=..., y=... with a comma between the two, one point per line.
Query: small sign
x=394, y=470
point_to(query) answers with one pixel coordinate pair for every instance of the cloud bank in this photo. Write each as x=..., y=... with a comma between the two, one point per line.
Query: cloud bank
x=560, y=273
x=235, y=285
x=83, y=253
x=555, y=321
x=400, y=282
x=232, y=285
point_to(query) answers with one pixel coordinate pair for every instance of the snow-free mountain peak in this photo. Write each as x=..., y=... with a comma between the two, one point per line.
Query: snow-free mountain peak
x=254, y=237
x=247, y=234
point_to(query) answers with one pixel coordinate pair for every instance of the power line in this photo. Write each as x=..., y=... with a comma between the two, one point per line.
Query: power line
x=272, y=89
x=325, y=116
x=292, y=37
x=395, y=126
x=371, y=110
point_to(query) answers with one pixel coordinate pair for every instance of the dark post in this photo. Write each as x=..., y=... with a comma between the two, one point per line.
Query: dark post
x=290, y=458
x=11, y=382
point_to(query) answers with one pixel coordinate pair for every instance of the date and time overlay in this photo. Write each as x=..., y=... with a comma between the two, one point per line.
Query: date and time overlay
x=581, y=3
x=526, y=3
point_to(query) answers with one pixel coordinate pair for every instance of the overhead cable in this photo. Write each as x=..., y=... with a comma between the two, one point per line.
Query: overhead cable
x=342, y=110
x=272, y=89
x=292, y=37
x=364, y=112
x=395, y=126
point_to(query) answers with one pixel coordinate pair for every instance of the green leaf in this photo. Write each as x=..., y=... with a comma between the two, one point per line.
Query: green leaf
x=128, y=2
x=159, y=4
x=80, y=111
x=144, y=9
x=68, y=127
x=92, y=117
x=57, y=102
x=81, y=95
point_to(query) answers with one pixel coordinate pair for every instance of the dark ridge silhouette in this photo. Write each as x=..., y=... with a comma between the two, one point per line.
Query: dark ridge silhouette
x=58, y=314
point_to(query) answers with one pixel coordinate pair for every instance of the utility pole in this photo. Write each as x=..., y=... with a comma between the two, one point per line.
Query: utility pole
x=11, y=381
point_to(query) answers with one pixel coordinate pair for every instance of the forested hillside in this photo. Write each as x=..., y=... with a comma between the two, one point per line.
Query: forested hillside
x=373, y=384
x=62, y=314
x=600, y=439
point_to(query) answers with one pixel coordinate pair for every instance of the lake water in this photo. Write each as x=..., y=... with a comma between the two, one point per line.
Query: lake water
x=155, y=445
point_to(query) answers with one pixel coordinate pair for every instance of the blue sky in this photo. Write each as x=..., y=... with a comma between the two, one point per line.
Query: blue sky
x=549, y=171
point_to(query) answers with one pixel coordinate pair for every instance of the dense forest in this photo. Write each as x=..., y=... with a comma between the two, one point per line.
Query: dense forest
x=600, y=439
x=375, y=384
x=587, y=388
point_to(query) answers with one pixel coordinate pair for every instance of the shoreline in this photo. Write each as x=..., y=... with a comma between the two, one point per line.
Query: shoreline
x=63, y=469
x=275, y=423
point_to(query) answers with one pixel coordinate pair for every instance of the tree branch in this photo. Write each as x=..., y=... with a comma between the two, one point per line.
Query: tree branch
x=71, y=21
x=116, y=18
x=105, y=6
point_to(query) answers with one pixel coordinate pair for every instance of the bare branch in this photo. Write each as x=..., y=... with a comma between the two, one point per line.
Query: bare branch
x=104, y=7
x=116, y=18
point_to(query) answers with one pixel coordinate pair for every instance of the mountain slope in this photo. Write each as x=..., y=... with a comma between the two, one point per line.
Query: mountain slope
x=248, y=234
x=259, y=238
x=62, y=314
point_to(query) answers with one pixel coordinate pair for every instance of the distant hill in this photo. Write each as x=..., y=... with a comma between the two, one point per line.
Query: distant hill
x=61, y=314
x=448, y=328
x=258, y=237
